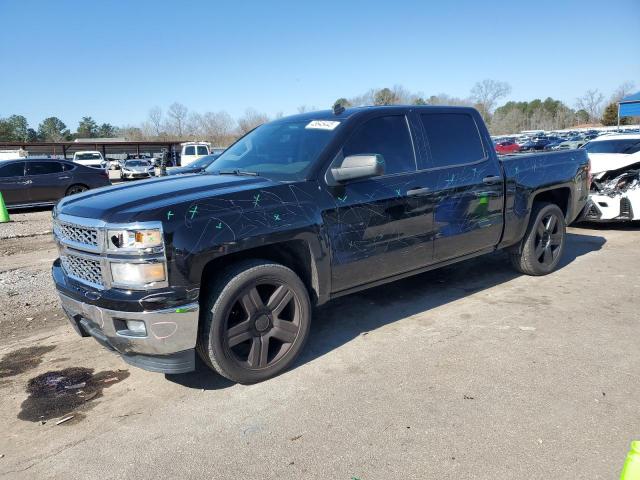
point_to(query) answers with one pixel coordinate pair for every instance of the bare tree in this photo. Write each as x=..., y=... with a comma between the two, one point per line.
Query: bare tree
x=251, y=120
x=178, y=114
x=305, y=108
x=591, y=102
x=444, y=99
x=622, y=91
x=218, y=128
x=487, y=93
x=155, y=119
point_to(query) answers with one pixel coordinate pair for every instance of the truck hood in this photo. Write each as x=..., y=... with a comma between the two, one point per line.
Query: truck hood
x=124, y=203
x=603, y=162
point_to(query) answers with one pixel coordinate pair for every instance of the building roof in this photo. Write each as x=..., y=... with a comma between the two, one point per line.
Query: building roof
x=100, y=140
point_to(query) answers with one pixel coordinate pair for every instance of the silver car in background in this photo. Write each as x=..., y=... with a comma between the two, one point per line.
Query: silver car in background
x=137, y=169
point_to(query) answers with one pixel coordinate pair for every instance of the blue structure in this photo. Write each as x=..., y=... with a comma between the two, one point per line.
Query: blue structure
x=629, y=106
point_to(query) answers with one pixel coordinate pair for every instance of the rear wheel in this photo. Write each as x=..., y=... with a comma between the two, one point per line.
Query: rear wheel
x=73, y=189
x=255, y=321
x=544, y=240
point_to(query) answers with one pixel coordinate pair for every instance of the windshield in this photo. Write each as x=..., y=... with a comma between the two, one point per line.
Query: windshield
x=202, y=162
x=621, y=145
x=136, y=163
x=280, y=150
x=88, y=156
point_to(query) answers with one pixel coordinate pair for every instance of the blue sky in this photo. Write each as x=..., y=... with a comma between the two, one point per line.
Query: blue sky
x=113, y=60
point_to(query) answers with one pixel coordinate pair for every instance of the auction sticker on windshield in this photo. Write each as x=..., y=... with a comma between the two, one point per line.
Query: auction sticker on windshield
x=322, y=124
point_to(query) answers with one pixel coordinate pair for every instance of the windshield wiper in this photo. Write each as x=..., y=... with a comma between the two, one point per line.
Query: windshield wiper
x=237, y=172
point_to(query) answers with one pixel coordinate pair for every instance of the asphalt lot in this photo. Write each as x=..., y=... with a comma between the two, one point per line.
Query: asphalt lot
x=472, y=371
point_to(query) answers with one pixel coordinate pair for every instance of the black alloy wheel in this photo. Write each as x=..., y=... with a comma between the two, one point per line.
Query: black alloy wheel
x=262, y=325
x=254, y=320
x=549, y=237
x=541, y=248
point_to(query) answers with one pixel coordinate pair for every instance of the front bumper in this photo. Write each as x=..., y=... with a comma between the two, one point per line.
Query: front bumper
x=167, y=347
x=138, y=175
x=618, y=208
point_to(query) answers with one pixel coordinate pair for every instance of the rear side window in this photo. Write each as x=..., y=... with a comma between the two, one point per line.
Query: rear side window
x=202, y=151
x=453, y=138
x=43, y=168
x=67, y=167
x=14, y=169
x=190, y=150
x=386, y=136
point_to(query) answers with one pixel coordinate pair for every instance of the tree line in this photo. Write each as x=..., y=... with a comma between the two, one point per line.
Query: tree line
x=220, y=128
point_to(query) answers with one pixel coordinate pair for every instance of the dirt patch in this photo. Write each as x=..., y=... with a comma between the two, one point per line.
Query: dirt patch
x=22, y=245
x=60, y=392
x=22, y=360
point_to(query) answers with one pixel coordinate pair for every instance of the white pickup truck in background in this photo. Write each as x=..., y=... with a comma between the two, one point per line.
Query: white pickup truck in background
x=90, y=158
x=192, y=151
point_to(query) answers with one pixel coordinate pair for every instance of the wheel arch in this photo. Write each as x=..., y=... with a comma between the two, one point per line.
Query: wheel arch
x=295, y=254
x=76, y=184
x=561, y=196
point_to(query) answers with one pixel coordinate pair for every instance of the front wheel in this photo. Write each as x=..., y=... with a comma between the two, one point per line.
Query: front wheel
x=255, y=321
x=73, y=189
x=544, y=240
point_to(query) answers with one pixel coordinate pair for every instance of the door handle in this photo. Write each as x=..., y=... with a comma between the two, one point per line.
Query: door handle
x=27, y=182
x=64, y=178
x=417, y=191
x=491, y=179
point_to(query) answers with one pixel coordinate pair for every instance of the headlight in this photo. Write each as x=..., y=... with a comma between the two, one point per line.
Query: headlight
x=137, y=274
x=134, y=239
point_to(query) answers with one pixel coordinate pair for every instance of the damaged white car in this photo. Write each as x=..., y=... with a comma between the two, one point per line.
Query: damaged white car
x=615, y=170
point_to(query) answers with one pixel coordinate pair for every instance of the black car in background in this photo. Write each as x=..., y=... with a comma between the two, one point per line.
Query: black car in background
x=31, y=182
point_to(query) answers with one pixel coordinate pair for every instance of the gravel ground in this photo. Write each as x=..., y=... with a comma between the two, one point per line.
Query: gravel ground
x=26, y=223
x=29, y=302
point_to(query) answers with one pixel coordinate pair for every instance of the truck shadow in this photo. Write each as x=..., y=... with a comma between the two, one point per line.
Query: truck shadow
x=620, y=226
x=344, y=319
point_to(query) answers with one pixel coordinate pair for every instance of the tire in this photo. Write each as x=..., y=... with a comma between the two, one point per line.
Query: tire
x=254, y=321
x=543, y=242
x=77, y=188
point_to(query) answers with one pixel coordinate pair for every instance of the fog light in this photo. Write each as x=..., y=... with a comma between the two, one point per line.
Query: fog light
x=137, y=327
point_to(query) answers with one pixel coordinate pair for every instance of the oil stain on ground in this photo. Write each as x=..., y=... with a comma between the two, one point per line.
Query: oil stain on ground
x=23, y=359
x=58, y=393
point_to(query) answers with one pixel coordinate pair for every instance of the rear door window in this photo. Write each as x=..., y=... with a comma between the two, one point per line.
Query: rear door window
x=43, y=168
x=14, y=169
x=202, y=151
x=190, y=150
x=453, y=139
x=387, y=136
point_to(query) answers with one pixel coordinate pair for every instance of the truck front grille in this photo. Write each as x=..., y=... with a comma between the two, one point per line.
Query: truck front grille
x=84, y=269
x=77, y=234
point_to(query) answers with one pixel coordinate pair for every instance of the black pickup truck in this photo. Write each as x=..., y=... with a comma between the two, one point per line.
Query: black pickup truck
x=230, y=261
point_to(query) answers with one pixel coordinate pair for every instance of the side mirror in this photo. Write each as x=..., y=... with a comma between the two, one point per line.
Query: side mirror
x=355, y=167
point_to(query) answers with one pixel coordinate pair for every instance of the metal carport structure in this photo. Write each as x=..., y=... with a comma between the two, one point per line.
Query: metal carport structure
x=64, y=149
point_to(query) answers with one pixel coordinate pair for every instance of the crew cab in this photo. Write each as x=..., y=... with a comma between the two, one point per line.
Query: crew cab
x=301, y=210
